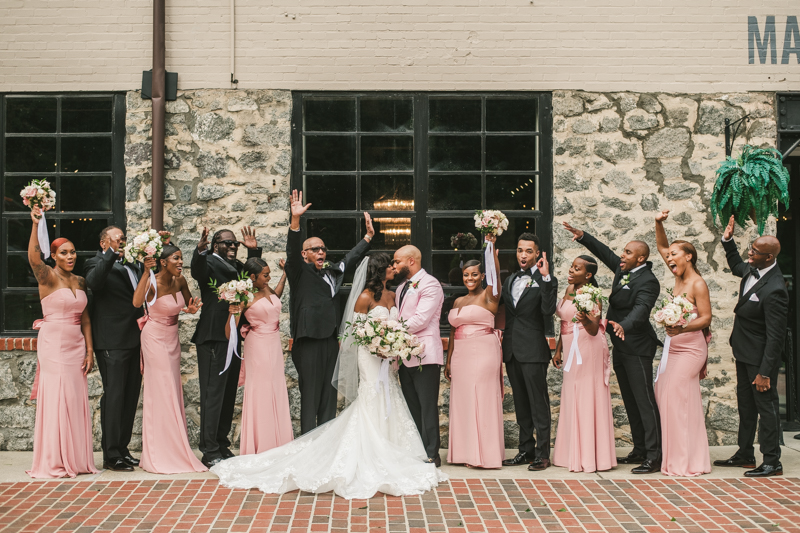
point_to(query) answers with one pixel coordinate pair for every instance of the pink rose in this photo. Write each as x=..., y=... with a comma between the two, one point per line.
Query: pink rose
x=150, y=250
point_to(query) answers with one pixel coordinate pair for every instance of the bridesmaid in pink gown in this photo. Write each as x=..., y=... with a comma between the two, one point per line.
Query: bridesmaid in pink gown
x=266, y=422
x=165, y=440
x=474, y=369
x=62, y=436
x=585, y=435
x=684, y=441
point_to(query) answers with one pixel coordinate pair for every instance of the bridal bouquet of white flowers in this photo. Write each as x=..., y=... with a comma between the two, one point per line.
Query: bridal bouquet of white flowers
x=147, y=244
x=491, y=222
x=236, y=291
x=385, y=338
x=588, y=299
x=39, y=194
x=674, y=311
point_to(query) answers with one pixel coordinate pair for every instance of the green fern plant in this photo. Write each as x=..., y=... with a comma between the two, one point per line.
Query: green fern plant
x=751, y=184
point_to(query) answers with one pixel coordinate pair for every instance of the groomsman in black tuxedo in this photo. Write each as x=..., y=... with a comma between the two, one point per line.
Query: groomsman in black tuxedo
x=633, y=295
x=529, y=296
x=757, y=339
x=115, y=333
x=217, y=392
x=314, y=314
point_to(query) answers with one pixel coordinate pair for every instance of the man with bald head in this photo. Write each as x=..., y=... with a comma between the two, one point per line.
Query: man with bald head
x=314, y=314
x=419, y=302
x=633, y=295
x=757, y=339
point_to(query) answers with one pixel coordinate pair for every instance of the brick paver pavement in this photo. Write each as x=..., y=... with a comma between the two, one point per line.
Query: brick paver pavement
x=462, y=505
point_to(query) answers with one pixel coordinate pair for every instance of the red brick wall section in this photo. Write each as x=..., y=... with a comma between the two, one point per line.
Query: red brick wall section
x=26, y=344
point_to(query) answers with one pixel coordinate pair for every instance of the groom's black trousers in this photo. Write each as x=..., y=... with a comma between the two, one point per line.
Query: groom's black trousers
x=759, y=409
x=122, y=381
x=217, y=396
x=421, y=391
x=315, y=361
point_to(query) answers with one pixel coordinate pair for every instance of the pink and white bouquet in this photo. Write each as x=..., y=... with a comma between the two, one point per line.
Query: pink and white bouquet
x=385, y=338
x=491, y=222
x=237, y=291
x=38, y=193
x=674, y=311
x=588, y=299
x=147, y=244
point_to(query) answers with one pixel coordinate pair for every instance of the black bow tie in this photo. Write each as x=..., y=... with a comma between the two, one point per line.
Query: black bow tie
x=526, y=272
x=755, y=273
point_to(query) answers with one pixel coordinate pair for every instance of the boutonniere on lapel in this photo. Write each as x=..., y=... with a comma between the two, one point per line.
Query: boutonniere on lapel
x=532, y=283
x=625, y=280
x=414, y=284
x=326, y=265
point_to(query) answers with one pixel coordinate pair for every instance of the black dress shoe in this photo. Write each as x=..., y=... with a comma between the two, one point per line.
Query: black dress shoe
x=539, y=464
x=226, y=453
x=737, y=461
x=437, y=461
x=647, y=467
x=631, y=459
x=208, y=463
x=130, y=460
x=521, y=459
x=766, y=471
x=797, y=436
x=117, y=465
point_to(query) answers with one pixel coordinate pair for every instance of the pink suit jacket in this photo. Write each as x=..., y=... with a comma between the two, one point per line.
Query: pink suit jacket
x=421, y=309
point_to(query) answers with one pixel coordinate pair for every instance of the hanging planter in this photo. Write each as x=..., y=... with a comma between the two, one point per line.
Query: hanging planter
x=750, y=186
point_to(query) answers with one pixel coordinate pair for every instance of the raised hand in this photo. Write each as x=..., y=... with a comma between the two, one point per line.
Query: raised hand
x=149, y=263
x=297, y=204
x=619, y=331
x=543, y=265
x=203, y=244
x=491, y=238
x=36, y=214
x=662, y=216
x=368, y=222
x=577, y=234
x=193, y=306
x=249, y=236
x=728, y=234
x=282, y=263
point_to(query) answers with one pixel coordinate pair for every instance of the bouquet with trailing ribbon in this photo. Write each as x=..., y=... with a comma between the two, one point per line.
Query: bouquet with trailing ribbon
x=588, y=299
x=146, y=244
x=236, y=291
x=38, y=193
x=490, y=222
x=672, y=311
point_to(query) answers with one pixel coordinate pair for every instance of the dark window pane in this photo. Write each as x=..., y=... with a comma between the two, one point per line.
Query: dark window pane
x=19, y=272
x=20, y=310
x=390, y=233
x=19, y=233
x=336, y=233
x=516, y=226
x=510, y=153
x=509, y=264
x=444, y=229
x=330, y=153
x=330, y=192
x=85, y=193
x=455, y=115
x=30, y=154
x=387, y=153
x=86, y=154
x=454, y=192
x=88, y=115
x=329, y=114
x=13, y=185
x=387, y=114
x=387, y=193
x=447, y=267
x=454, y=153
x=31, y=115
x=511, y=192
x=84, y=233
x=510, y=115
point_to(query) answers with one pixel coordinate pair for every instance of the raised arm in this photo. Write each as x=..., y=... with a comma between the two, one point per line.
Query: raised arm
x=97, y=271
x=549, y=289
x=144, y=287
x=489, y=290
x=199, y=264
x=603, y=252
x=430, y=301
x=294, y=241
x=42, y=272
x=278, y=290
x=661, y=235
x=354, y=256
x=735, y=262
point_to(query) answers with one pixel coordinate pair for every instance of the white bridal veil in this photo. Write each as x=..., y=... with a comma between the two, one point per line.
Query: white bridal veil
x=345, y=376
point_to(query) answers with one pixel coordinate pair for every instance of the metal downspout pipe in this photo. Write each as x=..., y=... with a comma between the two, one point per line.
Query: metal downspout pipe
x=158, y=94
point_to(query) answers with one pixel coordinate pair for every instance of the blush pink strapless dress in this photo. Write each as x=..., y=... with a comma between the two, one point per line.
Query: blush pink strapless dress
x=684, y=441
x=165, y=440
x=266, y=422
x=476, y=390
x=62, y=437
x=585, y=435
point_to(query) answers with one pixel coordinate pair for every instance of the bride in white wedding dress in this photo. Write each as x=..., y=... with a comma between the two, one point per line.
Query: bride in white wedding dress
x=373, y=445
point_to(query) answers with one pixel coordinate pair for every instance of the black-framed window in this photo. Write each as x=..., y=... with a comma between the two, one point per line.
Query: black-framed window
x=421, y=163
x=76, y=142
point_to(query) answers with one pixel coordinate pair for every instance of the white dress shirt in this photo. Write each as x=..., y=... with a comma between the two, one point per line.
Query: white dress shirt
x=751, y=280
x=631, y=272
x=520, y=284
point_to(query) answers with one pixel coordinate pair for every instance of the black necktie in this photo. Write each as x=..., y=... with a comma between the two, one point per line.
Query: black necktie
x=755, y=273
x=403, y=293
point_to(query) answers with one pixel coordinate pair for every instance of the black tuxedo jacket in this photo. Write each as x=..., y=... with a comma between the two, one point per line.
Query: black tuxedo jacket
x=214, y=313
x=112, y=312
x=313, y=312
x=629, y=305
x=526, y=322
x=759, y=326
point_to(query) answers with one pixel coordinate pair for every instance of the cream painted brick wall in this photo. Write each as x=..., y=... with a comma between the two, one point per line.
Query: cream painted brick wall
x=595, y=45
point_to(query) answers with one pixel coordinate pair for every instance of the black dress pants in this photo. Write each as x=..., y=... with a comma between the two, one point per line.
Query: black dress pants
x=122, y=382
x=635, y=379
x=315, y=361
x=217, y=397
x=754, y=405
x=420, y=386
x=531, y=405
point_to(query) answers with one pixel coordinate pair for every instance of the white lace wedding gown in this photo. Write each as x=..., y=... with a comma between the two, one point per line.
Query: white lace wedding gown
x=359, y=453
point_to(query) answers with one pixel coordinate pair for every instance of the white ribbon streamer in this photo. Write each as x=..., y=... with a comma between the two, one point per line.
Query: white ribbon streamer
x=155, y=288
x=233, y=340
x=383, y=378
x=132, y=276
x=491, y=273
x=574, y=351
x=662, y=366
x=44, y=238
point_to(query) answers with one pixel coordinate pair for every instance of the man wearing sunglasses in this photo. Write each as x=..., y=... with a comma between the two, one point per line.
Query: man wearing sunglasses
x=217, y=392
x=314, y=314
x=757, y=339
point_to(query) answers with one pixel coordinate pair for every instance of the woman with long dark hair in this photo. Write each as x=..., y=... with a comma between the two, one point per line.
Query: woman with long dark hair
x=585, y=436
x=165, y=438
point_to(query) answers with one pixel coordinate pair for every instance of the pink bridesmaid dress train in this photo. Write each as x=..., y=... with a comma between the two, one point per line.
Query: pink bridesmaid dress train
x=62, y=437
x=684, y=441
x=585, y=435
x=476, y=390
x=266, y=422
x=165, y=440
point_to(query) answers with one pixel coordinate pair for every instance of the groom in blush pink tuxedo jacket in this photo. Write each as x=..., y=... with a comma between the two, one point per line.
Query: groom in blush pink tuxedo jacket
x=419, y=302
